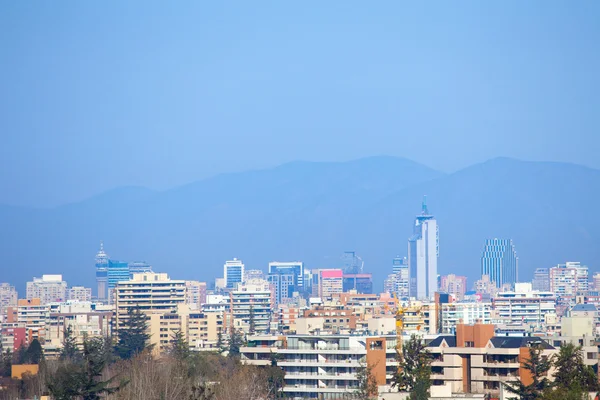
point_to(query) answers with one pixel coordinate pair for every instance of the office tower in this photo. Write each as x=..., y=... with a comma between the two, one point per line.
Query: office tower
x=295, y=267
x=152, y=292
x=195, y=294
x=118, y=271
x=79, y=293
x=361, y=283
x=423, y=251
x=48, y=288
x=499, y=260
x=327, y=282
x=102, y=273
x=568, y=279
x=541, y=280
x=252, y=302
x=138, y=267
x=233, y=272
x=454, y=285
x=8, y=297
x=251, y=274
x=284, y=284
x=402, y=273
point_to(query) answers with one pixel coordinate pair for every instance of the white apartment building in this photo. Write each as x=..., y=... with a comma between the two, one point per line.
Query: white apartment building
x=79, y=293
x=523, y=307
x=48, y=288
x=467, y=313
x=153, y=293
x=34, y=316
x=8, y=297
x=253, y=297
x=566, y=280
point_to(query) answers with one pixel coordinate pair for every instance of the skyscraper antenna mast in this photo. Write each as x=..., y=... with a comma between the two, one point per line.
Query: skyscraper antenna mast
x=424, y=210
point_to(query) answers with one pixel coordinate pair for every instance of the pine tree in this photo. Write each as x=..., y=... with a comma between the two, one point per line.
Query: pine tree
x=34, y=352
x=252, y=321
x=180, y=347
x=220, y=342
x=132, y=334
x=70, y=351
x=572, y=379
x=414, y=372
x=538, y=367
x=236, y=340
x=6, y=369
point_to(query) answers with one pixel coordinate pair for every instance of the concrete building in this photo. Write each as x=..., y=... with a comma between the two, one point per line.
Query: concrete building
x=423, y=252
x=327, y=282
x=360, y=283
x=287, y=267
x=138, y=267
x=48, y=288
x=8, y=298
x=523, y=307
x=250, y=274
x=252, y=302
x=499, y=260
x=456, y=313
x=233, y=273
x=33, y=315
x=569, y=279
x=284, y=283
x=79, y=293
x=153, y=293
x=402, y=277
x=454, y=285
x=13, y=336
x=102, y=274
x=486, y=287
x=195, y=294
x=476, y=361
x=541, y=280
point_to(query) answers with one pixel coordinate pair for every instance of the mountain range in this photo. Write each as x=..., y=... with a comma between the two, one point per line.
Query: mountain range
x=314, y=211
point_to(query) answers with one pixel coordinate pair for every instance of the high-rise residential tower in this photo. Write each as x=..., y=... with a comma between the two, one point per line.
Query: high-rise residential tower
x=423, y=250
x=499, y=260
x=102, y=273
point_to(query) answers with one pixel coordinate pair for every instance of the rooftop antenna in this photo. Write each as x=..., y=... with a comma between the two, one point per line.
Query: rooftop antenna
x=424, y=210
x=102, y=245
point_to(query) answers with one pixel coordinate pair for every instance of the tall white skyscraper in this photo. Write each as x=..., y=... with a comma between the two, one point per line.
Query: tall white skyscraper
x=423, y=254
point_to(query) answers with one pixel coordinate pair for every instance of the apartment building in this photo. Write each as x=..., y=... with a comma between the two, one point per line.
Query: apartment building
x=523, y=307
x=569, y=279
x=153, y=293
x=476, y=361
x=252, y=301
x=79, y=293
x=453, y=314
x=48, y=288
x=33, y=315
x=8, y=298
x=195, y=294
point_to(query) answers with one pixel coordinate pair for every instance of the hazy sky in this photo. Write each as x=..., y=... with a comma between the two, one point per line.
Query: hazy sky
x=95, y=95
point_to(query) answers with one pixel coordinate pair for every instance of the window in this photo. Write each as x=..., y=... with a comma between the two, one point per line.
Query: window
x=591, y=356
x=469, y=344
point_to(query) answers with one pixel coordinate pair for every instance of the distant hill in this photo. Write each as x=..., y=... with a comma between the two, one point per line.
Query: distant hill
x=314, y=212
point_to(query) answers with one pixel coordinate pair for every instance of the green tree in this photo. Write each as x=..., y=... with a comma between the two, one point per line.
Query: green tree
x=180, y=347
x=572, y=379
x=69, y=351
x=414, y=371
x=252, y=321
x=236, y=340
x=220, y=342
x=6, y=369
x=34, y=352
x=132, y=334
x=83, y=379
x=367, y=383
x=538, y=367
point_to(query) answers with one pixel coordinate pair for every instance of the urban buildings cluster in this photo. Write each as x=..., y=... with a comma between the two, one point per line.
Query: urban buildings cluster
x=323, y=324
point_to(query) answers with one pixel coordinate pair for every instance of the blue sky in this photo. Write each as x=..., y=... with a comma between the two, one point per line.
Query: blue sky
x=95, y=95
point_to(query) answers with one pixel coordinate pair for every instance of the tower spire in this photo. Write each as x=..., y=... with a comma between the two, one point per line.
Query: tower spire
x=424, y=210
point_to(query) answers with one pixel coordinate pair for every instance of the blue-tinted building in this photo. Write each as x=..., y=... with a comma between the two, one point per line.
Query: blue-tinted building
x=233, y=272
x=499, y=260
x=287, y=277
x=102, y=273
x=138, y=267
x=117, y=271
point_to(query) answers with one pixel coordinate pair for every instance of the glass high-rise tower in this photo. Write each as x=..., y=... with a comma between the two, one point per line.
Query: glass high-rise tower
x=499, y=260
x=423, y=251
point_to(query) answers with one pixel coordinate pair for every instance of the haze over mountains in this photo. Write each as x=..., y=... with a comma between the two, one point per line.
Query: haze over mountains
x=314, y=212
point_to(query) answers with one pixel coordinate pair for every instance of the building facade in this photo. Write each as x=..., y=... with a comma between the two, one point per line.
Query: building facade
x=423, y=252
x=233, y=273
x=8, y=297
x=252, y=305
x=569, y=279
x=500, y=262
x=195, y=294
x=79, y=293
x=48, y=288
x=454, y=285
x=541, y=280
